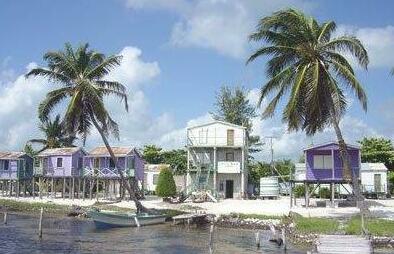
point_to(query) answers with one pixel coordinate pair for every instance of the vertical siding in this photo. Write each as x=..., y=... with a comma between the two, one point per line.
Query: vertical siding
x=321, y=174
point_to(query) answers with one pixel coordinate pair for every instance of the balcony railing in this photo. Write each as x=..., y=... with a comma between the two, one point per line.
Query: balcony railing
x=107, y=172
x=56, y=172
x=215, y=141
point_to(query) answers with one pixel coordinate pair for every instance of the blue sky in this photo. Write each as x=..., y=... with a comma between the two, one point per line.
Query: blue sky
x=178, y=53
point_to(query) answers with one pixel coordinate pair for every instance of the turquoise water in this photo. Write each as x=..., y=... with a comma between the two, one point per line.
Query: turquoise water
x=70, y=235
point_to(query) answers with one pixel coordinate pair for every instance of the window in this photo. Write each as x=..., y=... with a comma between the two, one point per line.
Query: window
x=230, y=137
x=322, y=162
x=203, y=136
x=230, y=156
x=130, y=162
x=4, y=165
x=59, y=162
x=155, y=179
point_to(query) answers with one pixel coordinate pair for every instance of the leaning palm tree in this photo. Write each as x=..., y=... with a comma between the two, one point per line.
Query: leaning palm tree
x=308, y=65
x=81, y=73
x=55, y=135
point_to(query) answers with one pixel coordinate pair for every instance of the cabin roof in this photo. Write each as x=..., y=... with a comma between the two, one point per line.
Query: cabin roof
x=59, y=151
x=373, y=167
x=118, y=151
x=11, y=155
x=215, y=122
x=322, y=145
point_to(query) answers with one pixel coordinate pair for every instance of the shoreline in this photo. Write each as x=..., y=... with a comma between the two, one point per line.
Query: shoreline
x=65, y=208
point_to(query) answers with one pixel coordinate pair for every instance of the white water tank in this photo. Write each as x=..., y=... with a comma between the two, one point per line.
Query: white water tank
x=269, y=187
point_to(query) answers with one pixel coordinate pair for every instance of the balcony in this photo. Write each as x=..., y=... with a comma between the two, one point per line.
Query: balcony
x=56, y=172
x=106, y=172
x=212, y=141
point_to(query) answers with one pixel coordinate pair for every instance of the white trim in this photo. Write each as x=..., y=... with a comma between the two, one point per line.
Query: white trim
x=330, y=143
x=215, y=122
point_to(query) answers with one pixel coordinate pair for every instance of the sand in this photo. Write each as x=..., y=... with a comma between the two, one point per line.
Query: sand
x=382, y=208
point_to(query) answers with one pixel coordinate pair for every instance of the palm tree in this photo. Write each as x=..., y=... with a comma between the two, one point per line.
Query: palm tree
x=55, y=135
x=81, y=73
x=308, y=65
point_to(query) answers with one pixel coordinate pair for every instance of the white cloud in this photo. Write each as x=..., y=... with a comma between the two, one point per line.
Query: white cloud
x=20, y=97
x=221, y=25
x=379, y=42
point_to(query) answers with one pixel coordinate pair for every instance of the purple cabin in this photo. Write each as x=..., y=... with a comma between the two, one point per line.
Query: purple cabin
x=98, y=163
x=15, y=166
x=323, y=162
x=60, y=162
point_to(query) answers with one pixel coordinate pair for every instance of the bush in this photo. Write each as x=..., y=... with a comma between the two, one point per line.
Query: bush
x=299, y=191
x=324, y=192
x=166, y=184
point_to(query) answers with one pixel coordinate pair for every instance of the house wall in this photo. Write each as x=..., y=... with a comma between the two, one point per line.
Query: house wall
x=52, y=169
x=11, y=173
x=214, y=135
x=321, y=174
x=368, y=180
x=139, y=166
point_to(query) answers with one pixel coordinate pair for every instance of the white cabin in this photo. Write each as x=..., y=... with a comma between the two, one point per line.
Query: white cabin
x=374, y=177
x=220, y=149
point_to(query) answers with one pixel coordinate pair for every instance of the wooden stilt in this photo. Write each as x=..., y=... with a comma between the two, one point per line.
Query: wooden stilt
x=40, y=187
x=17, y=189
x=332, y=188
x=90, y=188
x=9, y=188
x=79, y=188
x=40, y=224
x=97, y=189
x=53, y=189
x=73, y=188
x=306, y=195
x=83, y=188
x=33, y=187
x=64, y=188
x=24, y=188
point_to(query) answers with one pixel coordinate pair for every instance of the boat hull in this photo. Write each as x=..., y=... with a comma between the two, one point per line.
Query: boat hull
x=110, y=220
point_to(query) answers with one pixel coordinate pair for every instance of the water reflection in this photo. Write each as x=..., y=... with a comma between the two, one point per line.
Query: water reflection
x=68, y=235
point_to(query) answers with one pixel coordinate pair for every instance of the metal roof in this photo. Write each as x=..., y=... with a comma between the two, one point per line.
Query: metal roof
x=118, y=151
x=331, y=143
x=59, y=151
x=367, y=166
x=11, y=155
x=216, y=121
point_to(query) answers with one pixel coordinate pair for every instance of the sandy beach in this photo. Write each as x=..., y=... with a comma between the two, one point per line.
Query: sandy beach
x=381, y=208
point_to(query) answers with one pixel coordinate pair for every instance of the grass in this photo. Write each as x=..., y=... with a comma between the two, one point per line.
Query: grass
x=315, y=225
x=255, y=216
x=18, y=206
x=375, y=226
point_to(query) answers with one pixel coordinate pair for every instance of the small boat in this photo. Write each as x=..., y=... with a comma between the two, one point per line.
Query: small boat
x=115, y=219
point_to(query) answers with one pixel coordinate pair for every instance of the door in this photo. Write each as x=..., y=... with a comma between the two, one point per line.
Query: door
x=377, y=180
x=230, y=137
x=229, y=188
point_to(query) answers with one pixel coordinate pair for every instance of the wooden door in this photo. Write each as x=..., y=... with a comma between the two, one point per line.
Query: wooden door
x=229, y=189
x=230, y=137
x=377, y=180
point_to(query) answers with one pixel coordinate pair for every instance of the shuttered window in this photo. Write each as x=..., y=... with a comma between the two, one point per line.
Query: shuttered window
x=322, y=162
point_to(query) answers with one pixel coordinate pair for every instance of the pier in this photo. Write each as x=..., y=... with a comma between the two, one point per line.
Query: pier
x=343, y=244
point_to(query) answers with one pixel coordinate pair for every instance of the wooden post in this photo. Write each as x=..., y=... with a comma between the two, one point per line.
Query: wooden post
x=136, y=221
x=332, y=194
x=291, y=195
x=24, y=188
x=5, y=218
x=306, y=195
x=83, y=188
x=17, y=188
x=40, y=187
x=73, y=188
x=32, y=187
x=211, y=239
x=97, y=189
x=79, y=188
x=10, y=188
x=40, y=223
x=257, y=236
x=90, y=188
x=53, y=190
x=284, y=239
x=64, y=188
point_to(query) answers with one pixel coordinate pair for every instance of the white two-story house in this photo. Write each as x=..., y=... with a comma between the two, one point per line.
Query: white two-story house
x=217, y=154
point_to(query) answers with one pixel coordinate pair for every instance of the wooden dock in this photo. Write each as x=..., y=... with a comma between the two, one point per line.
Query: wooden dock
x=189, y=218
x=349, y=244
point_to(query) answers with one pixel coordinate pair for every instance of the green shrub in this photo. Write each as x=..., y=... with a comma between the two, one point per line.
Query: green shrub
x=375, y=226
x=316, y=225
x=299, y=191
x=166, y=184
x=324, y=192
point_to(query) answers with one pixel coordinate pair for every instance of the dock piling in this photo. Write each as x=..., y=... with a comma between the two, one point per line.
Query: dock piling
x=257, y=237
x=5, y=218
x=211, y=238
x=40, y=223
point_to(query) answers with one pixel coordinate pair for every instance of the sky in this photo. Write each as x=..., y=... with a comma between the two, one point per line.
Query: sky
x=176, y=56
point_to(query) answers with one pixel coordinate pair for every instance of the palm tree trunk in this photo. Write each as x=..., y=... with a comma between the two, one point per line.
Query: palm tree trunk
x=123, y=182
x=347, y=170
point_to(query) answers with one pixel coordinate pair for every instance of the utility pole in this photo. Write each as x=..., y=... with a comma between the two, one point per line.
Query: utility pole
x=272, y=152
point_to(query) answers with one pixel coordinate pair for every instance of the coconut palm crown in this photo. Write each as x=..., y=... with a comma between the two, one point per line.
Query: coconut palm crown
x=308, y=65
x=82, y=75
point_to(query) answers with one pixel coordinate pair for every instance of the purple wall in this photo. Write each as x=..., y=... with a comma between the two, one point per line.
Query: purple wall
x=69, y=168
x=12, y=172
x=325, y=174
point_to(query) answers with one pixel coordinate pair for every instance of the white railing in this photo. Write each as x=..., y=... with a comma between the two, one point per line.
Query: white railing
x=106, y=172
x=215, y=141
